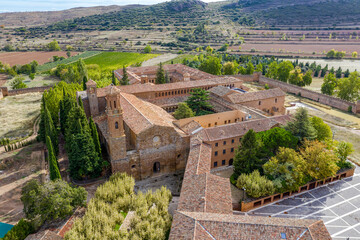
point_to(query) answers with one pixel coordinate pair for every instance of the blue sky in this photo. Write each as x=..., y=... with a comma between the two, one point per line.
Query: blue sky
x=52, y=5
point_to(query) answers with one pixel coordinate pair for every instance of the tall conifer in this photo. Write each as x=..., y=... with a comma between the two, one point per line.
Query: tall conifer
x=53, y=164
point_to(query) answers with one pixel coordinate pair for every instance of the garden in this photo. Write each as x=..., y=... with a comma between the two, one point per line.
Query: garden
x=284, y=159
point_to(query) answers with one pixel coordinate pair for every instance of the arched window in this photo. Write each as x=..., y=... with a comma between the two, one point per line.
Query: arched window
x=114, y=104
x=156, y=167
x=116, y=125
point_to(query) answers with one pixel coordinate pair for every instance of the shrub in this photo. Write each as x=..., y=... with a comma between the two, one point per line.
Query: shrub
x=255, y=185
x=20, y=231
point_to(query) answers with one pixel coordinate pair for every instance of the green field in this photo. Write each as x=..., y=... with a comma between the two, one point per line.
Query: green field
x=48, y=66
x=115, y=60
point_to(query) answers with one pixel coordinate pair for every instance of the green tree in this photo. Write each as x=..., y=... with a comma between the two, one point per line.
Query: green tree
x=53, y=164
x=147, y=49
x=34, y=65
x=329, y=84
x=125, y=78
x=272, y=71
x=246, y=158
x=301, y=126
x=255, y=185
x=250, y=68
x=209, y=49
x=296, y=77
x=224, y=48
x=284, y=69
x=85, y=80
x=20, y=231
x=51, y=131
x=338, y=72
x=323, y=131
x=53, y=46
x=307, y=78
x=343, y=150
x=230, y=68
x=331, y=53
x=18, y=83
x=287, y=170
x=349, y=87
x=354, y=54
x=52, y=200
x=320, y=162
x=211, y=65
x=183, y=111
x=259, y=68
x=160, y=75
x=198, y=102
x=81, y=69
x=274, y=138
x=95, y=136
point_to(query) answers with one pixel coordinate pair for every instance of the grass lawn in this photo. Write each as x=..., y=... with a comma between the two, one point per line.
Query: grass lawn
x=116, y=60
x=18, y=114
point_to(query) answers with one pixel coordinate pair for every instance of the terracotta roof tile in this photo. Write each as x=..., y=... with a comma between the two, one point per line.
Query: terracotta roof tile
x=237, y=97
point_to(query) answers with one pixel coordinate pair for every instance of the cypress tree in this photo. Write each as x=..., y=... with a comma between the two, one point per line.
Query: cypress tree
x=53, y=164
x=125, y=78
x=81, y=103
x=84, y=82
x=95, y=136
x=160, y=75
x=41, y=132
x=51, y=131
x=113, y=79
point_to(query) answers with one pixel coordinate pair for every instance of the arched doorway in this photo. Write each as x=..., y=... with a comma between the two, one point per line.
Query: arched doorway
x=231, y=162
x=156, y=167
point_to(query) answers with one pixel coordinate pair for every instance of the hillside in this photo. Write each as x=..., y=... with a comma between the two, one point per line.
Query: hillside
x=30, y=19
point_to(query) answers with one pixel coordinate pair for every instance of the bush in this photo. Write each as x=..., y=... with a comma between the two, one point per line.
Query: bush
x=255, y=185
x=20, y=231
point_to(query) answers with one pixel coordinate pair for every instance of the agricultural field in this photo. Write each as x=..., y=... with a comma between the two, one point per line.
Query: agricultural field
x=21, y=58
x=18, y=114
x=115, y=60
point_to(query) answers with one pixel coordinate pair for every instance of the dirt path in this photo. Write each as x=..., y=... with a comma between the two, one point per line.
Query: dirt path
x=159, y=59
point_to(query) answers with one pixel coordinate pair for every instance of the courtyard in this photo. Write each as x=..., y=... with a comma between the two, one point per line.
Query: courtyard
x=337, y=204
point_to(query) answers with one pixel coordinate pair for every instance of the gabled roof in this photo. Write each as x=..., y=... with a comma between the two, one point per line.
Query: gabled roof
x=237, y=97
x=239, y=129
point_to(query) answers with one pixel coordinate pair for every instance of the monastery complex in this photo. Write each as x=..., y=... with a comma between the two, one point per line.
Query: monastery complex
x=143, y=139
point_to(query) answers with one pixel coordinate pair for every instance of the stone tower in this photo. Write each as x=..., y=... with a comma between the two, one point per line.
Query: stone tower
x=92, y=96
x=116, y=134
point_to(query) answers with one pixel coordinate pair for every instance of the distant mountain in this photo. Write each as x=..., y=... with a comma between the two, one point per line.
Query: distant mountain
x=189, y=13
x=30, y=19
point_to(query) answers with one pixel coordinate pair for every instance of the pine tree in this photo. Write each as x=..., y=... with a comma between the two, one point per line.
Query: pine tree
x=125, y=78
x=53, y=164
x=301, y=126
x=198, y=102
x=160, y=75
x=95, y=136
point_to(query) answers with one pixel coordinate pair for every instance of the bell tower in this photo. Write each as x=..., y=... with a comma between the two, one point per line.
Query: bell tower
x=92, y=96
x=116, y=134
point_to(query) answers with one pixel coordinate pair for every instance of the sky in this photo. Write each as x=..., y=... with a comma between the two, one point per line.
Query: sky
x=53, y=5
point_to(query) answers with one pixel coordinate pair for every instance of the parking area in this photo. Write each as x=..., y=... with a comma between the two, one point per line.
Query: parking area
x=337, y=204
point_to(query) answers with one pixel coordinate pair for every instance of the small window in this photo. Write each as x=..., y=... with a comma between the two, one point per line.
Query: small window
x=216, y=144
x=179, y=155
x=133, y=166
x=224, y=142
x=114, y=104
x=231, y=162
x=232, y=140
x=275, y=100
x=259, y=103
x=225, y=122
x=116, y=125
x=224, y=151
x=223, y=162
x=215, y=164
x=283, y=235
x=215, y=123
x=229, y=121
x=209, y=125
x=216, y=153
x=232, y=149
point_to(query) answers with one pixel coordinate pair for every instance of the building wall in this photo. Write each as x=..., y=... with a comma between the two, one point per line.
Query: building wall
x=321, y=98
x=272, y=106
x=216, y=119
x=218, y=157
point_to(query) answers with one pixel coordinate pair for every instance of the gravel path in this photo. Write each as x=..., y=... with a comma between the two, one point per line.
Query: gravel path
x=159, y=59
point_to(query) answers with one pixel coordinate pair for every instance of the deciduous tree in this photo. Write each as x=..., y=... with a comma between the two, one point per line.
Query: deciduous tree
x=183, y=111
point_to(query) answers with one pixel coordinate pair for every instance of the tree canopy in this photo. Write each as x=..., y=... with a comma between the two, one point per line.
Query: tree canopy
x=198, y=102
x=183, y=111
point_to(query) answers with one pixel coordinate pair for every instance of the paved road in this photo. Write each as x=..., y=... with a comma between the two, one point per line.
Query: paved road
x=337, y=204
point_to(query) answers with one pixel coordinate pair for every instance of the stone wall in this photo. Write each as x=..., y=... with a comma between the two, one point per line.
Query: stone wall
x=321, y=98
x=14, y=92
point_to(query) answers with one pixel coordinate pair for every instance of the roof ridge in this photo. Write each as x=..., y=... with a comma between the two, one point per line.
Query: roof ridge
x=136, y=109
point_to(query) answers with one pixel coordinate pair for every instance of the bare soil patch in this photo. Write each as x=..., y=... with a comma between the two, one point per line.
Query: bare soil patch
x=16, y=169
x=21, y=58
